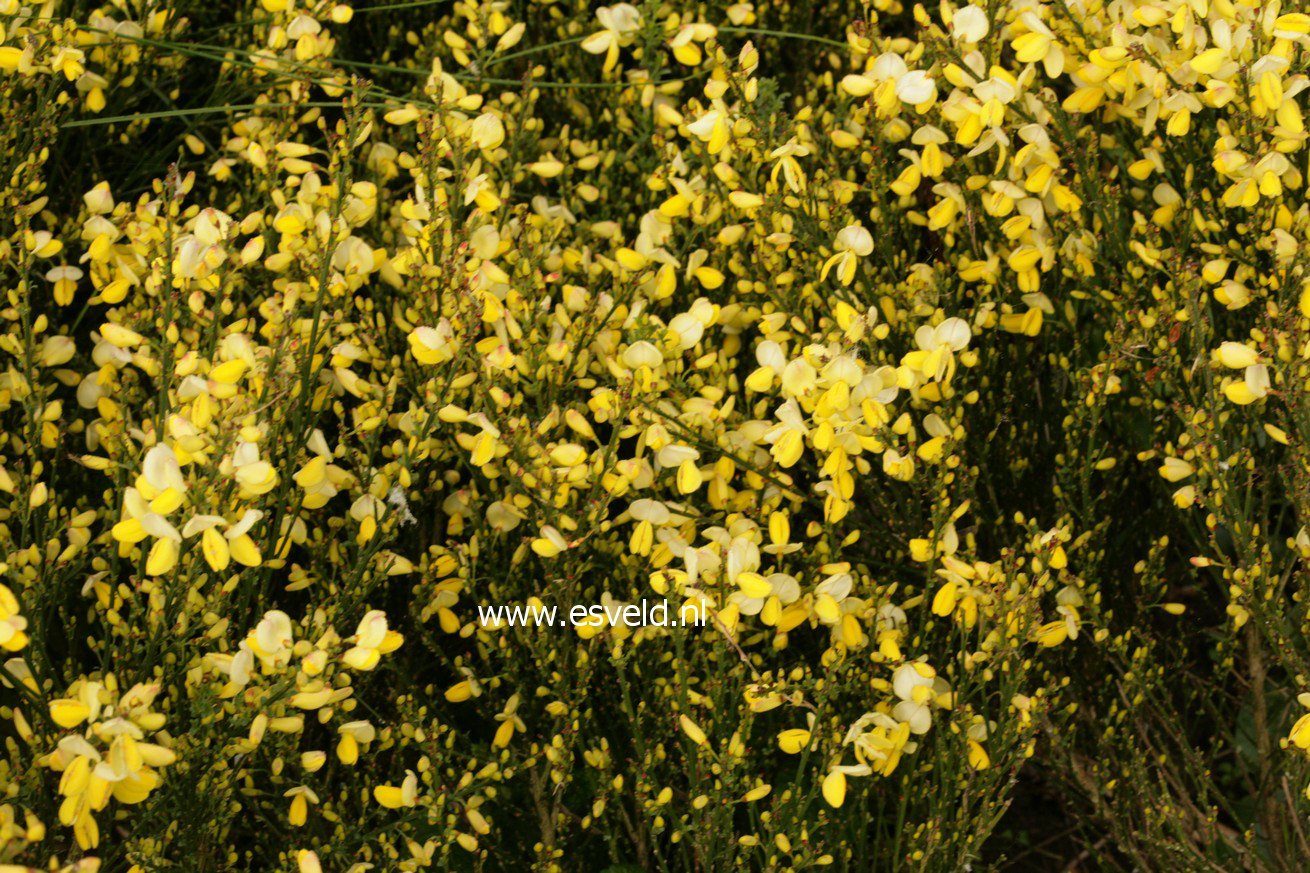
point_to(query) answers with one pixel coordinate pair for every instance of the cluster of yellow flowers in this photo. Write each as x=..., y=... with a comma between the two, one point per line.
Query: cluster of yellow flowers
x=857, y=327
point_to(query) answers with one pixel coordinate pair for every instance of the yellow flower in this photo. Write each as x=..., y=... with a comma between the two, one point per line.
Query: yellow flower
x=11, y=57
x=969, y=24
x=834, y=788
x=159, y=491
x=234, y=542
x=353, y=735
x=550, y=543
x=69, y=713
x=978, y=757
x=793, y=740
x=712, y=129
x=65, y=280
x=393, y=797
x=13, y=626
x=1052, y=633
x=943, y=603
x=853, y=242
x=509, y=722
x=1038, y=44
x=255, y=476
x=692, y=730
x=1175, y=469
x=486, y=131
x=372, y=640
x=620, y=22
x=301, y=796
x=1253, y=385
x=1299, y=736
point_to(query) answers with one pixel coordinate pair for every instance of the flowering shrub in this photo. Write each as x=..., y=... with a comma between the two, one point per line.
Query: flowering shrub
x=948, y=359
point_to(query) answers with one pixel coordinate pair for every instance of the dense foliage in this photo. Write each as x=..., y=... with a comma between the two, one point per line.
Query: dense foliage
x=951, y=358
